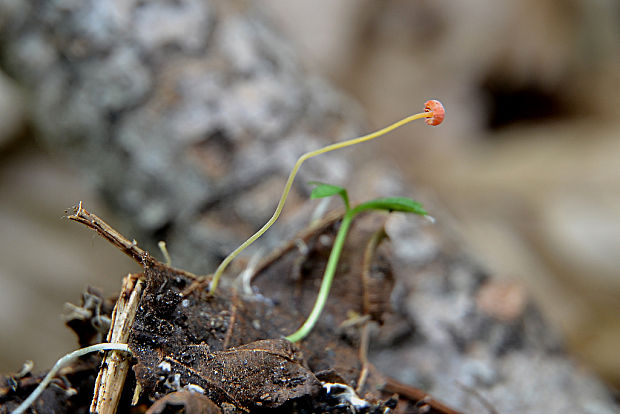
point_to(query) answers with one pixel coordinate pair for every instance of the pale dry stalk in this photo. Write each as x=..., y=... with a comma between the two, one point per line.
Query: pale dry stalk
x=115, y=365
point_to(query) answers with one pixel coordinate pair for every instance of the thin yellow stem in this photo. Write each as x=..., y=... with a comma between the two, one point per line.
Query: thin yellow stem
x=289, y=183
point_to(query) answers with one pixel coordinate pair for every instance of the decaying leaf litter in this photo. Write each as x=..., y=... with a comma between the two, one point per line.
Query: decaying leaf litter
x=226, y=352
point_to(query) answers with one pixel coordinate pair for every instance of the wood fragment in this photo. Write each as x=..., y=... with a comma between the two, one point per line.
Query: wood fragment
x=376, y=289
x=231, y=322
x=130, y=248
x=363, y=356
x=136, y=394
x=371, y=309
x=111, y=378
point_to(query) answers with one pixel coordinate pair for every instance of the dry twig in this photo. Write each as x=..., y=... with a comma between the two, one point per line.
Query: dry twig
x=130, y=248
x=114, y=368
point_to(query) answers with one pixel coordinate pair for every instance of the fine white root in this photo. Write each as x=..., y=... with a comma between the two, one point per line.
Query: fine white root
x=62, y=362
x=244, y=280
x=320, y=210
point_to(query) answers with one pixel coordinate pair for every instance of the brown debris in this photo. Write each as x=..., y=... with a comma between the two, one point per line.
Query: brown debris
x=377, y=278
x=70, y=390
x=186, y=402
x=419, y=400
x=91, y=319
x=265, y=373
x=180, y=342
x=230, y=349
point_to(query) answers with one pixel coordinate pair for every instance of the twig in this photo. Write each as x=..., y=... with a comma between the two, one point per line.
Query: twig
x=231, y=322
x=369, y=254
x=416, y=395
x=60, y=364
x=363, y=356
x=114, y=368
x=367, y=283
x=130, y=248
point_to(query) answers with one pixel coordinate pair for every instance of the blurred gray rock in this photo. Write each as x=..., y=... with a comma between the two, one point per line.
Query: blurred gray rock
x=470, y=337
x=11, y=110
x=176, y=111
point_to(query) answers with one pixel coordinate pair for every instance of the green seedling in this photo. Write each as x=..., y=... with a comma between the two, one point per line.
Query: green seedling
x=327, y=190
x=433, y=115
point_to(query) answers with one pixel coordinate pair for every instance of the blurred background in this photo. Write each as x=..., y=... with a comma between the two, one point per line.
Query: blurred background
x=526, y=166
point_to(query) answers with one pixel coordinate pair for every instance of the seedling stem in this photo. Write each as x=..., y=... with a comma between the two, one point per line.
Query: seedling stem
x=433, y=114
x=389, y=204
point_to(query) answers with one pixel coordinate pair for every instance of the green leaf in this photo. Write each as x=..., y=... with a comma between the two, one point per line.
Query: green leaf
x=403, y=204
x=322, y=190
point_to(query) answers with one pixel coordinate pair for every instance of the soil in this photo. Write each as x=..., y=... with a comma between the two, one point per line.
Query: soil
x=199, y=353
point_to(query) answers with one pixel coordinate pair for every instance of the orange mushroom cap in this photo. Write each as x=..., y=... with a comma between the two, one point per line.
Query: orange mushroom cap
x=436, y=108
